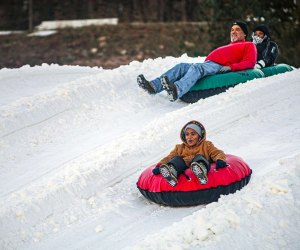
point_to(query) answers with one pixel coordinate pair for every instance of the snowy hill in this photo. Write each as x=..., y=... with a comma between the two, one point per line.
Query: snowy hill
x=73, y=141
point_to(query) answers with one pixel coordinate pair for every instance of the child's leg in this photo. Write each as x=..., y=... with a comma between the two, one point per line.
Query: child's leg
x=179, y=164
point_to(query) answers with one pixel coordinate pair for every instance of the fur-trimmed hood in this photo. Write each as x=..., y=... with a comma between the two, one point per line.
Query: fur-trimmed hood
x=202, y=129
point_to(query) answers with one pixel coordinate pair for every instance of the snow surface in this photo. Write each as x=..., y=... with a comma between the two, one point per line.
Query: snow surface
x=43, y=33
x=74, y=140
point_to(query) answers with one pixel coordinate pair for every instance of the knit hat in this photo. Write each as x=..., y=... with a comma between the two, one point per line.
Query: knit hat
x=242, y=25
x=264, y=28
x=194, y=127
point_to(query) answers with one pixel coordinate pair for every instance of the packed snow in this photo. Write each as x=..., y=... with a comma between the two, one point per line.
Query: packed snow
x=74, y=140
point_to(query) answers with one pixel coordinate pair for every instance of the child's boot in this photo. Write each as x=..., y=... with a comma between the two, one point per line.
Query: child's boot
x=199, y=169
x=169, y=173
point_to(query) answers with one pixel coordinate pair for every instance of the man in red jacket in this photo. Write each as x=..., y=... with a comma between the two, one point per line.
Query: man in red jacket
x=238, y=55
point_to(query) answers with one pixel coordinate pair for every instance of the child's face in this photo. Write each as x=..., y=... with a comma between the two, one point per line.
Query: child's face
x=191, y=137
x=259, y=34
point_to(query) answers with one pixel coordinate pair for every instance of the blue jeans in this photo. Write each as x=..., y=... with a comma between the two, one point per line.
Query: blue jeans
x=185, y=75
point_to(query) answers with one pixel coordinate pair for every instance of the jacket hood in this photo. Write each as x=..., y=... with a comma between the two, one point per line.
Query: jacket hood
x=202, y=129
x=264, y=28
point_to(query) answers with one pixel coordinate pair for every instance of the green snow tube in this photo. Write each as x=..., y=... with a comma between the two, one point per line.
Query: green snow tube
x=276, y=69
x=215, y=84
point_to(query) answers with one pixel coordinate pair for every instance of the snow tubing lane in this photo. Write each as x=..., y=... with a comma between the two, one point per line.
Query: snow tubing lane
x=190, y=192
x=216, y=84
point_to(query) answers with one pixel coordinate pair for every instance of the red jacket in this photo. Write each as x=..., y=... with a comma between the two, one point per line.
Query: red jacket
x=237, y=55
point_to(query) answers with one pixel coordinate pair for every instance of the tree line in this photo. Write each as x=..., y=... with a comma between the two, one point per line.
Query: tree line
x=16, y=14
x=281, y=16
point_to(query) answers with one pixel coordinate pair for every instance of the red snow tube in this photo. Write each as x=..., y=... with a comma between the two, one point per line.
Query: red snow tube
x=189, y=191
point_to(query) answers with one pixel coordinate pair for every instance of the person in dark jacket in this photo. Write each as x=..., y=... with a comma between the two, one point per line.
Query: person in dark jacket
x=267, y=50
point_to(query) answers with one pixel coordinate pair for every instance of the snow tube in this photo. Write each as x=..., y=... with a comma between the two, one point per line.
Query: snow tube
x=216, y=84
x=189, y=191
x=276, y=69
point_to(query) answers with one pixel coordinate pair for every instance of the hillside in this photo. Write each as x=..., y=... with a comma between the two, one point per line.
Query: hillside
x=74, y=140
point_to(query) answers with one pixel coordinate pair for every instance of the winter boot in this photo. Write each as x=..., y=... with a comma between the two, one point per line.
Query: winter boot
x=170, y=88
x=169, y=173
x=199, y=169
x=145, y=85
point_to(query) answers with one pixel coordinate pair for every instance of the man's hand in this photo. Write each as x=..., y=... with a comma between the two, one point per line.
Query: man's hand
x=225, y=69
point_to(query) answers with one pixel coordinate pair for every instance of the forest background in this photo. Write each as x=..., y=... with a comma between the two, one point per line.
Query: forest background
x=145, y=29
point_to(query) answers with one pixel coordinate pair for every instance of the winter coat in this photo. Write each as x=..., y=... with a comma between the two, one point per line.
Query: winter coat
x=267, y=51
x=203, y=147
x=237, y=55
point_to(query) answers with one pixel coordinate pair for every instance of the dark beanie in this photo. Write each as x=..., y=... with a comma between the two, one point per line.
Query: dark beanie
x=243, y=26
x=264, y=28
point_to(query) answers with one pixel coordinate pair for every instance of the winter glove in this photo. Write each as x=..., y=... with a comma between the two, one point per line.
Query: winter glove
x=155, y=170
x=260, y=64
x=221, y=164
x=225, y=69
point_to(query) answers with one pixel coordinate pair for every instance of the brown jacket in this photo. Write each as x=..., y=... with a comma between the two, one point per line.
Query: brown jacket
x=203, y=147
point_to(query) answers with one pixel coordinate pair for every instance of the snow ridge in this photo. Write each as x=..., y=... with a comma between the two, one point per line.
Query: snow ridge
x=71, y=153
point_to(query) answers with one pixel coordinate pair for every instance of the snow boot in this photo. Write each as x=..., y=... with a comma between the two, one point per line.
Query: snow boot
x=173, y=169
x=145, y=85
x=200, y=167
x=169, y=173
x=170, y=88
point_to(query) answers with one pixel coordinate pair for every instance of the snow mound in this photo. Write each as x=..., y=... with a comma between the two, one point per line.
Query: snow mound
x=73, y=141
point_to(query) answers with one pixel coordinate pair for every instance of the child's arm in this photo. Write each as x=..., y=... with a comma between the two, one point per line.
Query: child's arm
x=215, y=153
x=217, y=156
x=165, y=160
x=173, y=153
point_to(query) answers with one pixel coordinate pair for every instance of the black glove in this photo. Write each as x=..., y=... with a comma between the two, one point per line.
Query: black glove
x=221, y=164
x=156, y=169
x=225, y=69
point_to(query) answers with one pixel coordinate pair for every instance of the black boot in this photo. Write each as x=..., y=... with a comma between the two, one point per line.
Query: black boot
x=171, y=170
x=200, y=167
x=170, y=88
x=145, y=85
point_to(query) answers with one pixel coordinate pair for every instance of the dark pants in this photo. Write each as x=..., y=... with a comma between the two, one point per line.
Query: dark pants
x=180, y=166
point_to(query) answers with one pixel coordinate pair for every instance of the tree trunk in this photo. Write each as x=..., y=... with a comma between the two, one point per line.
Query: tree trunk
x=30, y=16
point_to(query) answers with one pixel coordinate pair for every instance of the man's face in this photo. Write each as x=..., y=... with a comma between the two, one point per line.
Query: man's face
x=237, y=34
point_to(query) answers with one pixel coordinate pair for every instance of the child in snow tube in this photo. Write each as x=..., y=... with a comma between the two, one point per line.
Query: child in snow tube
x=195, y=152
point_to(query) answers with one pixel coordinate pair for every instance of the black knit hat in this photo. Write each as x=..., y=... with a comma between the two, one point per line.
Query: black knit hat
x=264, y=28
x=243, y=26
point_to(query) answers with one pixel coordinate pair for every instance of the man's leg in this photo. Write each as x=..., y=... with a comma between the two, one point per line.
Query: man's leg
x=195, y=72
x=173, y=74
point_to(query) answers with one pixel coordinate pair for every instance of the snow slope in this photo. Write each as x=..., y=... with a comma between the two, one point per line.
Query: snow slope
x=73, y=141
